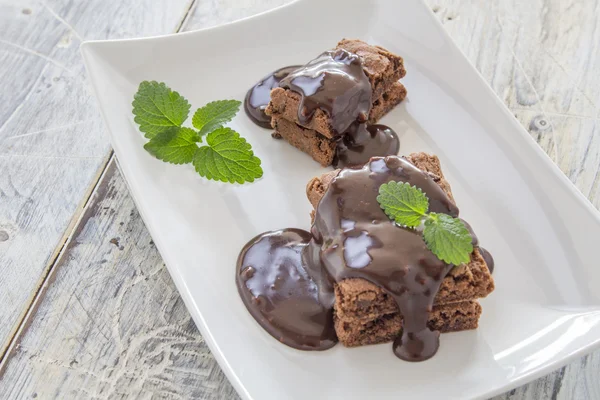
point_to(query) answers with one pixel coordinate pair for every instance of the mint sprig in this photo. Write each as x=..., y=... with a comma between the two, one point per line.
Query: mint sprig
x=161, y=112
x=447, y=237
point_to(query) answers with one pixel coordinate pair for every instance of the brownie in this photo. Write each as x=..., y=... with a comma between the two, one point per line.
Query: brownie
x=445, y=318
x=359, y=301
x=382, y=68
x=388, y=100
x=468, y=282
x=319, y=147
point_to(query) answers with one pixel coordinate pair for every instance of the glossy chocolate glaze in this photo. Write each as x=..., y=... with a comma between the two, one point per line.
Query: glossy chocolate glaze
x=258, y=97
x=357, y=240
x=336, y=83
x=362, y=141
x=486, y=255
x=280, y=294
x=489, y=260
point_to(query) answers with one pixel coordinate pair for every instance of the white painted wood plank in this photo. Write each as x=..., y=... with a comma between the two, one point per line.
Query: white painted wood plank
x=538, y=57
x=52, y=140
x=541, y=57
x=112, y=324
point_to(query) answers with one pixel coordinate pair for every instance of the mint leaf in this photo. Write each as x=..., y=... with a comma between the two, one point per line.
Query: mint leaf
x=158, y=108
x=403, y=203
x=448, y=238
x=176, y=145
x=227, y=158
x=214, y=115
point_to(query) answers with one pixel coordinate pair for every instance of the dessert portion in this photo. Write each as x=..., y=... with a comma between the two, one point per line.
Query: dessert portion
x=326, y=106
x=358, y=276
x=366, y=314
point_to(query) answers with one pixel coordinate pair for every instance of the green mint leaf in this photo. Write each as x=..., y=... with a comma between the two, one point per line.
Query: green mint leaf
x=214, y=115
x=227, y=158
x=403, y=203
x=158, y=108
x=448, y=238
x=176, y=145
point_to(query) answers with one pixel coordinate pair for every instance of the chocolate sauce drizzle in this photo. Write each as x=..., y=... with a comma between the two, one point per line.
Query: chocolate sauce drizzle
x=363, y=141
x=286, y=278
x=357, y=240
x=258, y=97
x=334, y=82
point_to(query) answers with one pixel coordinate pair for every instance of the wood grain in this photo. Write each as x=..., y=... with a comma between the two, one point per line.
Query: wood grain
x=109, y=326
x=110, y=323
x=52, y=139
x=541, y=58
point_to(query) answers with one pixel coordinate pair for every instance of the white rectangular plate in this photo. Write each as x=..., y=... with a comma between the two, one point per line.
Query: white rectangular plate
x=542, y=231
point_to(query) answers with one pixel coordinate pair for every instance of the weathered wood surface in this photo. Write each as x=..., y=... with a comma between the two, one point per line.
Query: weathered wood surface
x=110, y=324
x=542, y=58
x=52, y=140
x=110, y=327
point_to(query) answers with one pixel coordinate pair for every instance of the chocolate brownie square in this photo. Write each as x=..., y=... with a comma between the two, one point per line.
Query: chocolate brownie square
x=365, y=308
x=383, y=328
x=382, y=68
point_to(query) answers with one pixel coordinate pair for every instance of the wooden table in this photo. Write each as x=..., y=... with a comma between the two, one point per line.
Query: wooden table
x=87, y=308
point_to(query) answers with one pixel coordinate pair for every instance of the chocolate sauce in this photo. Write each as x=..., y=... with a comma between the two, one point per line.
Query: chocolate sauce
x=286, y=277
x=357, y=240
x=281, y=295
x=489, y=260
x=362, y=141
x=258, y=97
x=487, y=256
x=336, y=83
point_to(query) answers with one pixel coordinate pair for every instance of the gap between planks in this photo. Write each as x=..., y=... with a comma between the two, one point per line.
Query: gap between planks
x=102, y=176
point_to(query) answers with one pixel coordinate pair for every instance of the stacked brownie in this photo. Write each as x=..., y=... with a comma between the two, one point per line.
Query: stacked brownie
x=366, y=314
x=316, y=137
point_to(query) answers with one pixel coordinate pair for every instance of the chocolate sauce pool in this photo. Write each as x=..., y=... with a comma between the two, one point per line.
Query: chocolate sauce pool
x=281, y=295
x=258, y=97
x=362, y=141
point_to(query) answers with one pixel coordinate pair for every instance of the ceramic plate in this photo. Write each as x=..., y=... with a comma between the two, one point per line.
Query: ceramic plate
x=542, y=231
